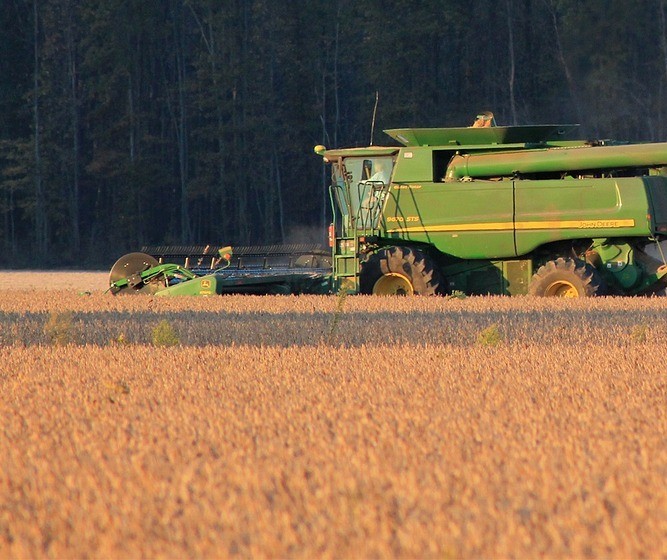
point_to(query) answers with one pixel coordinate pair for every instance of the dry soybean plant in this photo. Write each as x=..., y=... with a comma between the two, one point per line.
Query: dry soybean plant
x=318, y=426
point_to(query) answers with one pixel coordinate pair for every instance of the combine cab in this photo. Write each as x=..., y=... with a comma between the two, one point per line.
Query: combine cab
x=479, y=210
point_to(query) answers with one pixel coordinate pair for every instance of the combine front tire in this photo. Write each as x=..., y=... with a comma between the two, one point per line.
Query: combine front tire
x=400, y=271
x=566, y=278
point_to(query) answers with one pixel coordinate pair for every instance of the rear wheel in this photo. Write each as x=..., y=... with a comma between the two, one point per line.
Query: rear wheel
x=566, y=278
x=400, y=271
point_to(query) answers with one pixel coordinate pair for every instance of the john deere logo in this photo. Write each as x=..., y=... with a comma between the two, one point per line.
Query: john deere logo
x=205, y=283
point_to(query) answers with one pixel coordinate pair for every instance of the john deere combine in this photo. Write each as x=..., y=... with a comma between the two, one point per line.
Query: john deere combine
x=480, y=210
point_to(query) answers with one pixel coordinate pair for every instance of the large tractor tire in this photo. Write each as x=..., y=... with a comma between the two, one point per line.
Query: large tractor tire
x=400, y=271
x=566, y=278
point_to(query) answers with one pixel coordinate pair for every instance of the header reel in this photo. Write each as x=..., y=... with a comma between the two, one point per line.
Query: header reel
x=139, y=273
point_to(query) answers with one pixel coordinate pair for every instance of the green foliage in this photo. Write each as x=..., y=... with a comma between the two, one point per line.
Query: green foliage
x=59, y=328
x=639, y=333
x=338, y=313
x=165, y=335
x=457, y=294
x=490, y=336
x=121, y=340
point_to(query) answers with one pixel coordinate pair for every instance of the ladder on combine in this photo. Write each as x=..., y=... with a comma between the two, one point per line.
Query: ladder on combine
x=365, y=221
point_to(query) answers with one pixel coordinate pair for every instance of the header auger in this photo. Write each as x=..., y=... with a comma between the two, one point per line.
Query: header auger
x=481, y=210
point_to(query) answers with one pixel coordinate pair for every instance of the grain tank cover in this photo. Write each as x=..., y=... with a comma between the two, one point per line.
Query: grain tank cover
x=468, y=136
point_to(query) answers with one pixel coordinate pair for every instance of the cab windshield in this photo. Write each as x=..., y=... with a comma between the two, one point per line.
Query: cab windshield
x=361, y=184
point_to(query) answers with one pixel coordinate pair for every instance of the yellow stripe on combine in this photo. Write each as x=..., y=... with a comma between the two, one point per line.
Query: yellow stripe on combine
x=577, y=224
x=508, y=226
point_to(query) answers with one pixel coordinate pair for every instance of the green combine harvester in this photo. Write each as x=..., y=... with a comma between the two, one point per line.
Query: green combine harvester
x=477, y=210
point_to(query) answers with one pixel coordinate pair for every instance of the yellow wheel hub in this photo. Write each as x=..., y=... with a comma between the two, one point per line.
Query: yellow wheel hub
x=393, y=284
x=561, y=288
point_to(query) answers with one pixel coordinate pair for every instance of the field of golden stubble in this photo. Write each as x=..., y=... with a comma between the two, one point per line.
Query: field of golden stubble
x=332, y=427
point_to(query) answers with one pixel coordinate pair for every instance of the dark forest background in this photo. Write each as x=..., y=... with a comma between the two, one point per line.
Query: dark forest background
x=131, y=122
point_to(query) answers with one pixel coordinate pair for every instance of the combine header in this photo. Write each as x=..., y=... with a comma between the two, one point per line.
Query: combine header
x=479, y=210
x=279, y=269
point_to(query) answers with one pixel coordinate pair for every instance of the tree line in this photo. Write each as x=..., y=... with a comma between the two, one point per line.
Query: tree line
x=127, y=122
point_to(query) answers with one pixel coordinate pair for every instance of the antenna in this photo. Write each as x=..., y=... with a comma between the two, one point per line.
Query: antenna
x=375, y=109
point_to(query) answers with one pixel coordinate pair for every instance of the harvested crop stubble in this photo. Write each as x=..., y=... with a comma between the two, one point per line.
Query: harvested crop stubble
x=400, y=432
